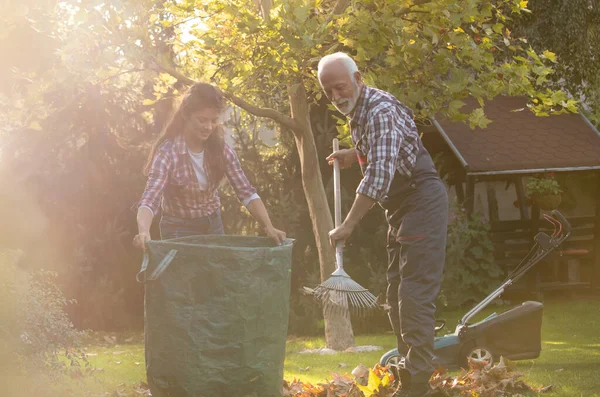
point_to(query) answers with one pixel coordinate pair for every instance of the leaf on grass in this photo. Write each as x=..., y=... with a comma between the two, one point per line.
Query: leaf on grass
x=544, y=389
x=110, y=339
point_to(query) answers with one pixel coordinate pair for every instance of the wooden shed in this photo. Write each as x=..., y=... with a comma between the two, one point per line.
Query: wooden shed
x=518, y=144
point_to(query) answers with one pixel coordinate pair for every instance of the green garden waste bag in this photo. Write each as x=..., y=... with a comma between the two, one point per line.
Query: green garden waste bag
x=216, y=315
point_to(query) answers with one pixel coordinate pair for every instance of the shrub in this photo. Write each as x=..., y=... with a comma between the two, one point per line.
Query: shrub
x=470, y=272
x=38, y=341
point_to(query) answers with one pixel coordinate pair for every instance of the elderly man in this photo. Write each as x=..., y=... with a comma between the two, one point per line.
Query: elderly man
x=399, y=174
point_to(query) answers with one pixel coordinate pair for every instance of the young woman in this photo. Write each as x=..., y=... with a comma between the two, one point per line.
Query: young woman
x=184, y=169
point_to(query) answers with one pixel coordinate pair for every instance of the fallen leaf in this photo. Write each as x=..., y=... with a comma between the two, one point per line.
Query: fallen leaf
x=476, y=364
x=545, y=389
x=360, y=371
x=110, y=339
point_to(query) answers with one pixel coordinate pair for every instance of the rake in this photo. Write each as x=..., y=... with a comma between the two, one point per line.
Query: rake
x=340, y=294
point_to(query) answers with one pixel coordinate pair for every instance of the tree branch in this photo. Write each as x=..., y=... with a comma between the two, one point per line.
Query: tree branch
x=407, y=10
x=340, y=7
x=264, y=112
x=255, y=110
x=119, y=74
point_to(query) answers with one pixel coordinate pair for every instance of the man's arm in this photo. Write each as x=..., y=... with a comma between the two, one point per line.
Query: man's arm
x=385, y=138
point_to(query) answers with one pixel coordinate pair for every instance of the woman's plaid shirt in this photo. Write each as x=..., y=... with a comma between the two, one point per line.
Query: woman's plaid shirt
x=173, y=183
x=386, y=139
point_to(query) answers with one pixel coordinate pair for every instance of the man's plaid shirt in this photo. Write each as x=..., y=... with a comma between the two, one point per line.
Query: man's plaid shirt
x=173, y=182
x=386, y=139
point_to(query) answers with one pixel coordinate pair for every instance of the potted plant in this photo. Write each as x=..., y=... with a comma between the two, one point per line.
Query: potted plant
x=545, y=191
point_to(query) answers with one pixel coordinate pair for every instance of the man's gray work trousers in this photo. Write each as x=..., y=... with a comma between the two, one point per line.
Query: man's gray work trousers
x=416, y=251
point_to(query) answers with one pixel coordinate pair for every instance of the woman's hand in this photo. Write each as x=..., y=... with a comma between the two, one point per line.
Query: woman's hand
x=346, y=157
x=276, y=235
x=139, y=241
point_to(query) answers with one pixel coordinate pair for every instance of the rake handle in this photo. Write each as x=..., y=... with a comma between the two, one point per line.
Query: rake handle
x=337, y=197
x=337, y=191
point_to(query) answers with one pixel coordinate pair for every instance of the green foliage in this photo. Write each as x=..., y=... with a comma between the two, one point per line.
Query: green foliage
x=571, y=29
x=470, y=272
x=76, y=141
x=430, y=54
x=545, y=185
x=443, y=51
x=38, y=339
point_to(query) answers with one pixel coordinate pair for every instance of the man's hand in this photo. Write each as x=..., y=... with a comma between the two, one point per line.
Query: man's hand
x=276, y=235
x=139, y=241
x=340, y=233
x=346, y=157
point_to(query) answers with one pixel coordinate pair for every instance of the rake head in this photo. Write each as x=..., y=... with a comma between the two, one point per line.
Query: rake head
x=341, y=295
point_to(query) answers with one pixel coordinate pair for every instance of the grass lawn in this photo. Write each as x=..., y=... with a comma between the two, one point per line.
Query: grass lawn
x=570, y=358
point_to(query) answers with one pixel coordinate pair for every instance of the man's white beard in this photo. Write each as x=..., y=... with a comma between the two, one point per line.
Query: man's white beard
x=346, y=105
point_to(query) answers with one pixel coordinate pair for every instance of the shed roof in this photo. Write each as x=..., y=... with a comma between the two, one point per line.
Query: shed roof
x=521, y=142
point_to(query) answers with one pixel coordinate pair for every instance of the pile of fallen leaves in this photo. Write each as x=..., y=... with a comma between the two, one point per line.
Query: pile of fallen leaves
x=365, y=382
x=484, y=380
x=481, y=380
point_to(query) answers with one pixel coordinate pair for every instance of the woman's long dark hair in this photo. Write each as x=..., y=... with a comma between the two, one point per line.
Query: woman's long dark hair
x=198, y=96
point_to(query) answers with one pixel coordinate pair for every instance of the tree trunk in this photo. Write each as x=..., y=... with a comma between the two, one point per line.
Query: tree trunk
x=338, y=329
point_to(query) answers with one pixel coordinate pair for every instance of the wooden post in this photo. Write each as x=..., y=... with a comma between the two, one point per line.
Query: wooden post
x=522, y=199
x=460, y=192
x=470, y=199
x=595, y=281
x=459, y=187
x=492, y=199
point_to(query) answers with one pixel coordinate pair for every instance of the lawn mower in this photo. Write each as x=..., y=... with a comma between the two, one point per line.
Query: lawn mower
x=514, y=334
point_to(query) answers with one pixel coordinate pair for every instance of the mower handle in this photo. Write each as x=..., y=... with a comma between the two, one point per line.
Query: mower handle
x=565, y=224
x=441, y=326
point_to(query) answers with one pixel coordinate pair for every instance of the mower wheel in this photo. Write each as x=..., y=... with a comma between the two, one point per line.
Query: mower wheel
x=393, y=360
x=477, y=353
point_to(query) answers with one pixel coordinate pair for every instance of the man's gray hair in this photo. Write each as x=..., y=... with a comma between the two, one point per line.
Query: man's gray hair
x=348, y=63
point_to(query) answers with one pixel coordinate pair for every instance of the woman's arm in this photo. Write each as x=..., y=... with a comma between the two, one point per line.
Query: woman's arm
x=144, y=221
x=157, y=180
x=257, y=209
x=247, y=195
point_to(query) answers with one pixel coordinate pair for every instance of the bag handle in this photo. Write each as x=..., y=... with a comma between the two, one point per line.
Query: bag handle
x=160, y=268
